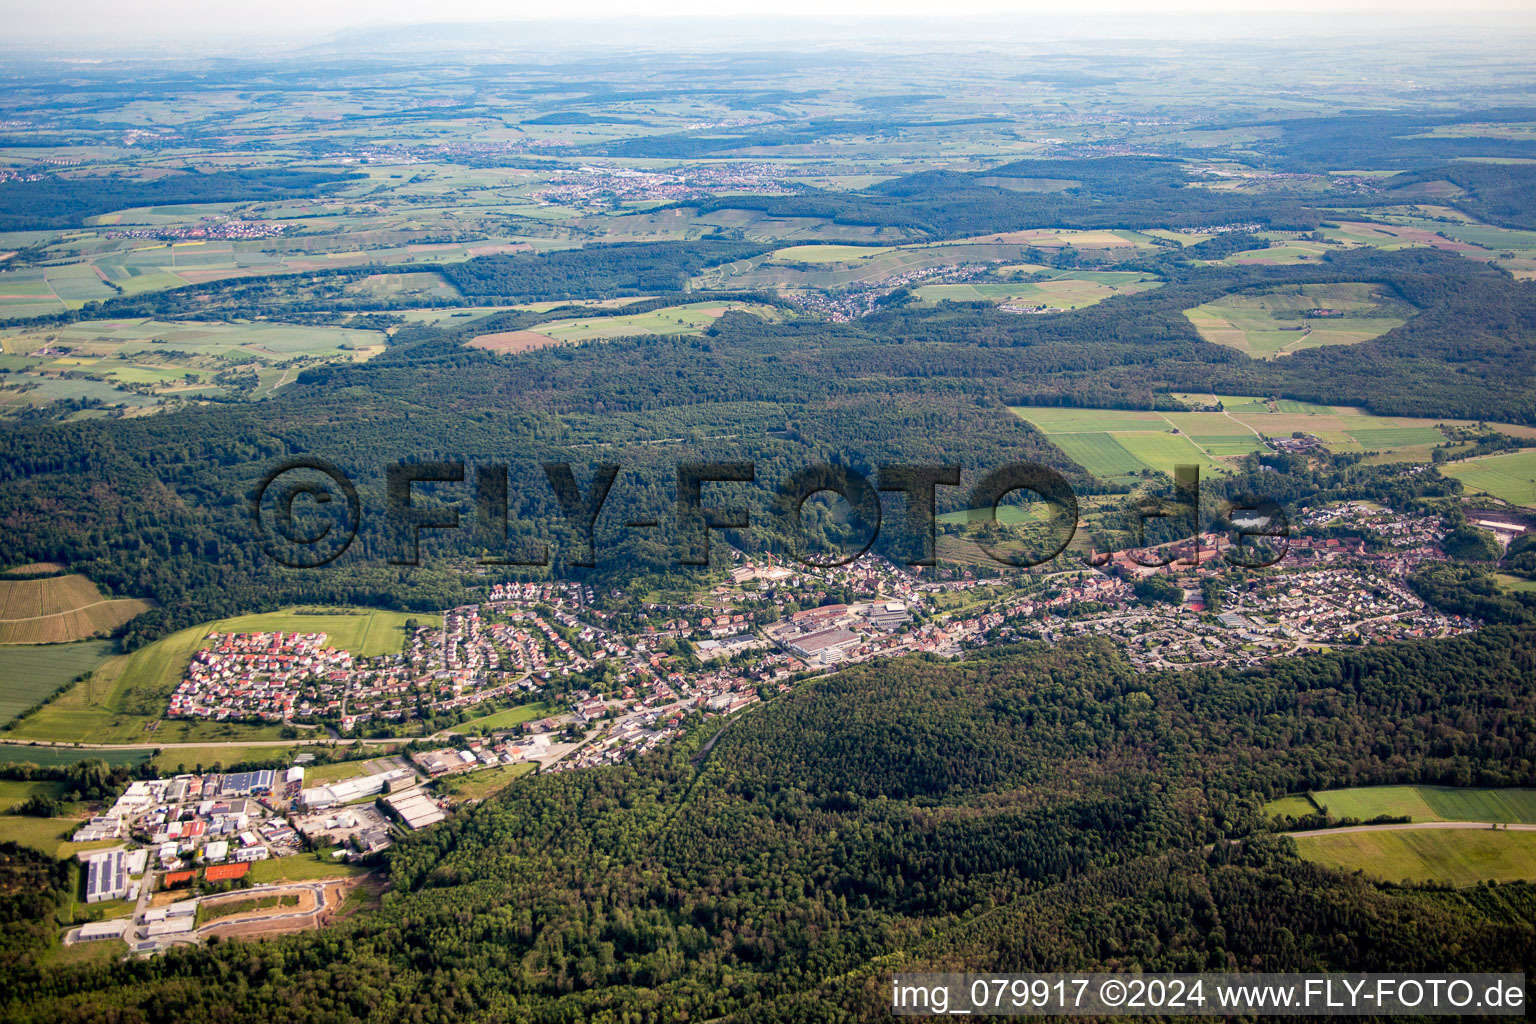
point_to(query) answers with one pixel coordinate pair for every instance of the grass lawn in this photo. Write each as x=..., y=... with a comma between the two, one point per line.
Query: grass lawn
x=49, y=835
x=100, y=952
x=507, y=719
x=1453, y=856
x=1515, y=584
x=30, y=673
x=300, y=867
x=1511, y=477
x=486, y=782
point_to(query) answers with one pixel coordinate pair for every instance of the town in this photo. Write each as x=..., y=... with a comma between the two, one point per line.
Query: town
x=200, y=854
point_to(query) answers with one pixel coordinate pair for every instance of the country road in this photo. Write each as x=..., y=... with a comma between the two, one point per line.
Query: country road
x=1411, y=826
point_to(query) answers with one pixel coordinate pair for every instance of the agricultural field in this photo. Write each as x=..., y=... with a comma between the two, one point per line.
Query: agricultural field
x=1420, y=803
x=175, y=760
x=59, y=609
x=1274, y=323
x=1118, y=445
x=49, y=757
x=30, y=673
x=141, y=362
x=1450, y=856
x=1121, y=444
x=691, y=318
x=124, y=701
x=1065, y=290
x=1510, y=478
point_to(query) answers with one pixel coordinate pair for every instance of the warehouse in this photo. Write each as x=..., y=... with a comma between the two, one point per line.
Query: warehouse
x=248, y=783
x=826, y=646
x=102, y=930
x=106, y=877
x=171, y=926
x=416, y=809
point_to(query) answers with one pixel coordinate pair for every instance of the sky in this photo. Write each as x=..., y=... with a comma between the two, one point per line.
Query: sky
x=103, y=24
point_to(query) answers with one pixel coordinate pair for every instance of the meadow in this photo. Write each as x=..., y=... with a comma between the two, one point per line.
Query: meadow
x=1460, y=857
x=30, y=673
x=486, y=782
x=1067, y=289
x=508, y=718
x=1420, y=803
x=1511, y=477
x=1270, y=324
x=301, y=867
x=689, y=318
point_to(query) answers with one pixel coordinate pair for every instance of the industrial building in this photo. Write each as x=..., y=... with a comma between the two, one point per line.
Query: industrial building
x=348, y=790
x=889, y=616
x=249, y=783
x=825, y=646
x=416, y=809
x=97, y=930
x=106, y=877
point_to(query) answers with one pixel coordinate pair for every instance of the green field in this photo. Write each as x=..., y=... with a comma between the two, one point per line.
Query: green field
x=1421, y=803
x=1117, y=444
x=485, y=782
x=690, y=318
x=301, y=867
x=50, y=835
x=30, y=673
x=1511, y=478
x=1450, y=856
x=125, y=700
x=1069, y=289
x=1272, y=323
x=16, y=753
x=13, y=792
x=506, y=719
x=1515, y=584
x=172, y=759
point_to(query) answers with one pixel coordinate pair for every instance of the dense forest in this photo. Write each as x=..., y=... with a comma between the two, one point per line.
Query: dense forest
x=1037, y=808
x=66, y=202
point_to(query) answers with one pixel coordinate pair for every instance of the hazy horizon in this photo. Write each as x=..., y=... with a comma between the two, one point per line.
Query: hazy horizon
x=94, y=29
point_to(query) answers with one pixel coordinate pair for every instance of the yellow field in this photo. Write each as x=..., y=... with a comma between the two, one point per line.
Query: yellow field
x=60, y=609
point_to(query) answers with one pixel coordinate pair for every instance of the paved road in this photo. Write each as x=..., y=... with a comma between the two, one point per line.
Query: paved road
x=1412, y=826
